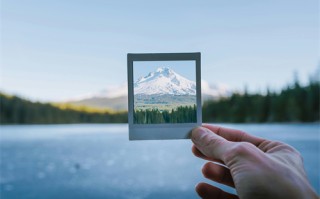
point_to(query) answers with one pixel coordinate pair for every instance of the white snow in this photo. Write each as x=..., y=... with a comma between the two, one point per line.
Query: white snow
x=164, y=81
x=209, y=91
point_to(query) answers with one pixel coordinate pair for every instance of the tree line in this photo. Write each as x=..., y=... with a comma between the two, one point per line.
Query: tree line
x=181, y=114
x=295, y=103
x=14, y=110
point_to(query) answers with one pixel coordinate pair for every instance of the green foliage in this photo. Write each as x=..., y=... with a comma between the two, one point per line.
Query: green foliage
x=182, y=114
x=14, y=110
x=293, y=104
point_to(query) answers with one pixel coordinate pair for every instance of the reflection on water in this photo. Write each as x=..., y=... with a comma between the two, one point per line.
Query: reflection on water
x=98, y=161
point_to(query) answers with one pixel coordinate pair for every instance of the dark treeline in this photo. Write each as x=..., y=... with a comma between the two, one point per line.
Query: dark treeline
x=182, y=114
x=14, y=110
x=295, y=103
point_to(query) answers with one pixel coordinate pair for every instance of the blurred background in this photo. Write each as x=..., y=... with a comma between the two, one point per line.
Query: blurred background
x=63, y=70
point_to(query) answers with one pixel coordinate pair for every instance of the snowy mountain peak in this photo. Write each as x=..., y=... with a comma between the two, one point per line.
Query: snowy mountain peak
x=164, y=81
x=164, y=70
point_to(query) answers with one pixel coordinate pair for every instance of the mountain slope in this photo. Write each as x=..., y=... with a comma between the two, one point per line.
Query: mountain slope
x=116, y=98
x=164, y=81
x=115, y=103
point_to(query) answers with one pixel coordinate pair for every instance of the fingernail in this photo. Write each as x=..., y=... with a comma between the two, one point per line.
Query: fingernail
x=198, y=133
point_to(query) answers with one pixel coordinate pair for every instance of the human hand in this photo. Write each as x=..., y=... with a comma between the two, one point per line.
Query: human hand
x=255, y=167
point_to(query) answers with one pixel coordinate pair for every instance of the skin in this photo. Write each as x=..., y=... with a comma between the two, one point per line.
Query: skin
x=257, y=168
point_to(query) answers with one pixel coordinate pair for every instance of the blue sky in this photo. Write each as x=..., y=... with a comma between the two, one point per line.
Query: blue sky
x=185, y=68
x=53, y=50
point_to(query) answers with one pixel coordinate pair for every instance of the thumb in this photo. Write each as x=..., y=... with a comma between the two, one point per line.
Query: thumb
x=209, y=143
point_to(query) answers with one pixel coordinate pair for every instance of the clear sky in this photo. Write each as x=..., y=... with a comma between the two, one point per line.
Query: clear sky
x=185, y=68
x=53, y=50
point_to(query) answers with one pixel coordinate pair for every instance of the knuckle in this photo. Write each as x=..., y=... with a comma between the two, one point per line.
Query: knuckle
x=242, y=148
x=239, y=150
x=286, y=147
x=278, y=143
x=291, y=151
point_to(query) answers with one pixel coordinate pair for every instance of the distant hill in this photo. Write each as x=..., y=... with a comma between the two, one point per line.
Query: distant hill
x=115, y=97
x=15, y=110
x=117, y=103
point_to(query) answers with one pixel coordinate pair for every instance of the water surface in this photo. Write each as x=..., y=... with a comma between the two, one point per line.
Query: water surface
x=98, y=161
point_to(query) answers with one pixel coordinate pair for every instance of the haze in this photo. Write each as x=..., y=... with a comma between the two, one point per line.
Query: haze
x=54, y=50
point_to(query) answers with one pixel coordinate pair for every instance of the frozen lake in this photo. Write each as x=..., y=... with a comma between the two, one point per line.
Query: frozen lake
x=98, y=161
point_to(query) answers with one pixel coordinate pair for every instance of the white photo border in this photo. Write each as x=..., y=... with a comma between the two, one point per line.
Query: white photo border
x=167, y=130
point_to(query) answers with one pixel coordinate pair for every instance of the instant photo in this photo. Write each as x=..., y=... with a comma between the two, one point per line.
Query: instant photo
x=164, y=95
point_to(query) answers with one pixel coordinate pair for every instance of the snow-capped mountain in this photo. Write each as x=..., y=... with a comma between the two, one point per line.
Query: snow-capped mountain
x=164, y=81
x=115, y=96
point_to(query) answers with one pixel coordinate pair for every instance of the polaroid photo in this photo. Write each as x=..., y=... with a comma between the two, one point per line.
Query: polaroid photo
x=164, y=95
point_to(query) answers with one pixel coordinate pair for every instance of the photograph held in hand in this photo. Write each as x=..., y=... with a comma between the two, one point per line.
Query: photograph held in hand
x=164, y=95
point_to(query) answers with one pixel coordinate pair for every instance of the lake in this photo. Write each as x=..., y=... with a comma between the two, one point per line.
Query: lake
x=98, y=161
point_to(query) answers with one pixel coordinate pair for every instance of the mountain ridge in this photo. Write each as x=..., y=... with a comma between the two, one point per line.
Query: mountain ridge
x=116, y=98
x=163, y=81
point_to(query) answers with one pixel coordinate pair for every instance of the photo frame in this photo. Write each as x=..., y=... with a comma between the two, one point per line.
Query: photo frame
x=163, y=104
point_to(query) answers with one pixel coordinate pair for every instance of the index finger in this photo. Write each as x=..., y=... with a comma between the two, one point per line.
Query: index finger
x=234, y=135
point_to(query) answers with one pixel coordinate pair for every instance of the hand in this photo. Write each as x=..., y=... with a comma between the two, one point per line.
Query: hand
x=255, y=167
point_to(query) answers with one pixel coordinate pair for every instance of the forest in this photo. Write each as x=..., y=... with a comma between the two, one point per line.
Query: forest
x=14, y=110
x=181, y=114
x=295, y=103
